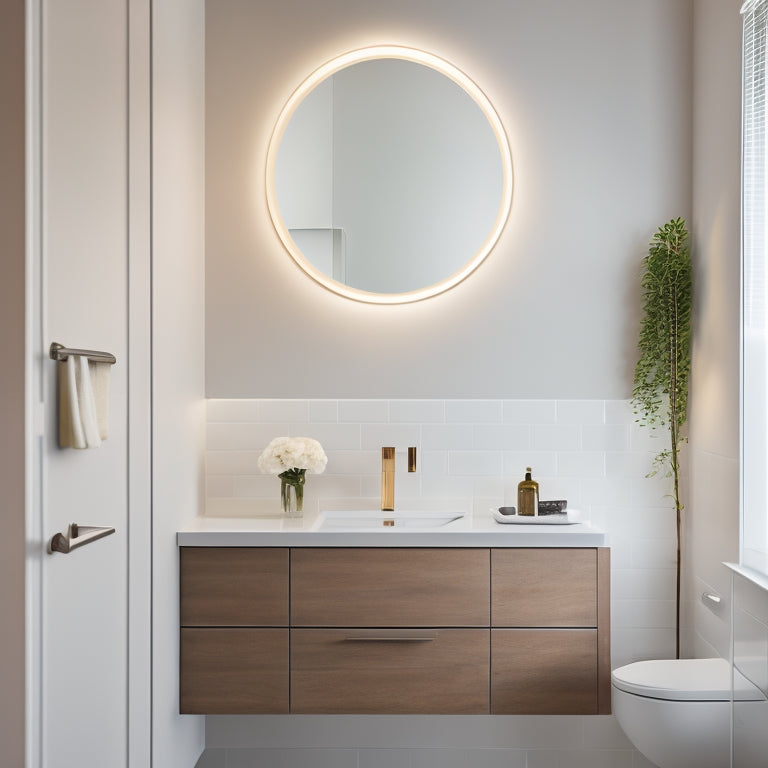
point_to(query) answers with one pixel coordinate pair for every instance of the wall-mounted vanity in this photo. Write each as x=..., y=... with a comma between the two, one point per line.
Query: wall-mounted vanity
x=278, y=617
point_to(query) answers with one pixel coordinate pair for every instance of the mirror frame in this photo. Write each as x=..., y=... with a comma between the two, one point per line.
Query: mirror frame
x=419, y=57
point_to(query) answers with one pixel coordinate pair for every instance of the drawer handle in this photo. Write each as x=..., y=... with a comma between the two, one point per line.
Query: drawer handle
x=395, y=637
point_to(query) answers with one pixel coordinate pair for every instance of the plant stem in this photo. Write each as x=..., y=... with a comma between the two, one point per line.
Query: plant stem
x=673, y=432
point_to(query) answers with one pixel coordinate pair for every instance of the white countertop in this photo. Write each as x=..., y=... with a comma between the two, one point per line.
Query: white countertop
x=471, y=531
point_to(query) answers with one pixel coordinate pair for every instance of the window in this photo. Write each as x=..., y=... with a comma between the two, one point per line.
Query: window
x=754, y=433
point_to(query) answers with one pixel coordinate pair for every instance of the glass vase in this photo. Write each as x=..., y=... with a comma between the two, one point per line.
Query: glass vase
x=291, y=498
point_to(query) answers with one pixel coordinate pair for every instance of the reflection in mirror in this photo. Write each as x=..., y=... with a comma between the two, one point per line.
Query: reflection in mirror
x=388, y=181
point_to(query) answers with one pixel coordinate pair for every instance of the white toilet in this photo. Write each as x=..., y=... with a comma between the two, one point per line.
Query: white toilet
x=677, y=711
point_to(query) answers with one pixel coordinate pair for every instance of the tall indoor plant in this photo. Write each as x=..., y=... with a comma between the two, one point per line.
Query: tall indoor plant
x=660, y=393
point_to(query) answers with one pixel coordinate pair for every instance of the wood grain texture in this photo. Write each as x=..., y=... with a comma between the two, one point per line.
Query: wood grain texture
x=544, y=587
x=389, y=587
x=448, y=675
x=543, y=671
x=233, y=671
x=604, y=631
x=234, y=586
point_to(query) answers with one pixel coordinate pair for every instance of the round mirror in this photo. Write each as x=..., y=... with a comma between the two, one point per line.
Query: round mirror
x=389, y=176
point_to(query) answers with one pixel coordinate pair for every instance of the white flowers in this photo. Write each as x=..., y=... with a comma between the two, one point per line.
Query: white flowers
x=284, y=454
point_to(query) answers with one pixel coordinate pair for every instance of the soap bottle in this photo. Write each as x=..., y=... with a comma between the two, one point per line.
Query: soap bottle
x=528, y=496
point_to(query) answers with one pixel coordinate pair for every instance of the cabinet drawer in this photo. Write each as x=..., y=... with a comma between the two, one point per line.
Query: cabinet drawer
x=388, y=587
x=544, y=587
x=233, y=671
x=441, y=671
x=544, y=672
x=234, y=586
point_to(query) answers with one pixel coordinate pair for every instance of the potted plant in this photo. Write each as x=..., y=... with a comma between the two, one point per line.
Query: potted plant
x=660, y=392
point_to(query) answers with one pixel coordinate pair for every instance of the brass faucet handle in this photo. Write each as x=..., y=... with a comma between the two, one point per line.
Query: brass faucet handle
x=388, y=479
x=412, y=458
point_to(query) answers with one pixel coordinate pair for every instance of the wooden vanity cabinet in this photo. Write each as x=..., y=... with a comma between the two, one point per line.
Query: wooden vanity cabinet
x=389, y=587
x=390, y=630
x=234, y=630
x=550, y=636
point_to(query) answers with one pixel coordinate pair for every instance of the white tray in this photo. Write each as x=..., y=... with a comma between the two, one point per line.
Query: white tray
x=569, y=517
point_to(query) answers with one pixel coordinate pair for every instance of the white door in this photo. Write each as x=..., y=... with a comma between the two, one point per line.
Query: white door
x=79, y=710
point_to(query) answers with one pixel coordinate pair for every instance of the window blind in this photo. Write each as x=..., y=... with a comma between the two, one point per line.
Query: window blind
x=754, y=464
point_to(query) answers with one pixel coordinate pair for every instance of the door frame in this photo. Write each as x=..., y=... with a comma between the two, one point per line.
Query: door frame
x=139, y=480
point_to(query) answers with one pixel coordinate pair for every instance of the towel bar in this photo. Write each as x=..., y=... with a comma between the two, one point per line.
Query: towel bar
x=60, y=353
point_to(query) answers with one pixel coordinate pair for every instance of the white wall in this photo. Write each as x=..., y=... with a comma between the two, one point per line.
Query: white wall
x=177, y=347
x=13, y=379
x=711, y=518
x=595, y=97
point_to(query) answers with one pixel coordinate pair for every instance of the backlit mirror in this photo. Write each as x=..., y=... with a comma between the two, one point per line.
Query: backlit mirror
x=389, y=176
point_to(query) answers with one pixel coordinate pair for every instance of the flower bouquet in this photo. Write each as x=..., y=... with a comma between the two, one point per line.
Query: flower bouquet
x=290, y=458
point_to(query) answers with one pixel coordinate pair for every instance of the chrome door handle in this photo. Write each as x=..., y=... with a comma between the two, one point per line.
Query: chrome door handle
x=76, y=536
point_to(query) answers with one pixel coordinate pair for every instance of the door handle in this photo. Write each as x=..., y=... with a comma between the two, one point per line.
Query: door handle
x=76, y=536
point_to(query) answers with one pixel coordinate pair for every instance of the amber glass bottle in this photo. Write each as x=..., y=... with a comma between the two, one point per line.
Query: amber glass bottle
x=528, y=495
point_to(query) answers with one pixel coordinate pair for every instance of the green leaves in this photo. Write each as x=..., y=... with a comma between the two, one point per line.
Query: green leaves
x=660, y=393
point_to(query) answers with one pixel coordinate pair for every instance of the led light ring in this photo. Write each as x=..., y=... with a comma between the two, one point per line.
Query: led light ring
x=419, y=57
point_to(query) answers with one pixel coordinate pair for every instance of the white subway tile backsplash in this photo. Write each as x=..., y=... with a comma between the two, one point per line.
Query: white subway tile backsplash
x=581, y=464
x=353, y=462
x=295, y=411
x=555, y=437
x=605, y=437
x=473, y=411
x=501, y=437
x=335, y=437
x=529, y=411
x=475, y=463
x=641, y=583
x=231, y=462
x=437, y=437
x=232, y=410
x=543, y=464
x=628, y=464
x=240, y=436
x=417, y=411
x=580, y=412
x=606, y=491
x=654, y=553
x=643, y=613
x=323, y=411
x=649, y=439
x=361, y=411
x=219, y=485
x=619, y=412
x=472, y=454
x=456, y=485
x=255, y=486
x=374, y=436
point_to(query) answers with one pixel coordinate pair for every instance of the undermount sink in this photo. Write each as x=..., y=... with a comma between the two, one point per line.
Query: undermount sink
x=376, y=520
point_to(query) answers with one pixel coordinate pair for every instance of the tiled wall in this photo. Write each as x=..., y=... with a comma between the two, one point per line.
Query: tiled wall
x=472, y=453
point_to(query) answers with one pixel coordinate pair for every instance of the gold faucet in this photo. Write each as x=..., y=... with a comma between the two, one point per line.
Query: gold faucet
x=388, y=475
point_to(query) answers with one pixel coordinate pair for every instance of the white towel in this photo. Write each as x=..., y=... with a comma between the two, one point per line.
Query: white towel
x=83, y=403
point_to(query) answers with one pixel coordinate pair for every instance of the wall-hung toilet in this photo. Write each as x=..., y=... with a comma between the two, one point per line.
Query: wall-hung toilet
x=677, y=711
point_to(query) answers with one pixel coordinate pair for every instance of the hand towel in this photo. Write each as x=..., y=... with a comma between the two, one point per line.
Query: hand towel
x=83, y=403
